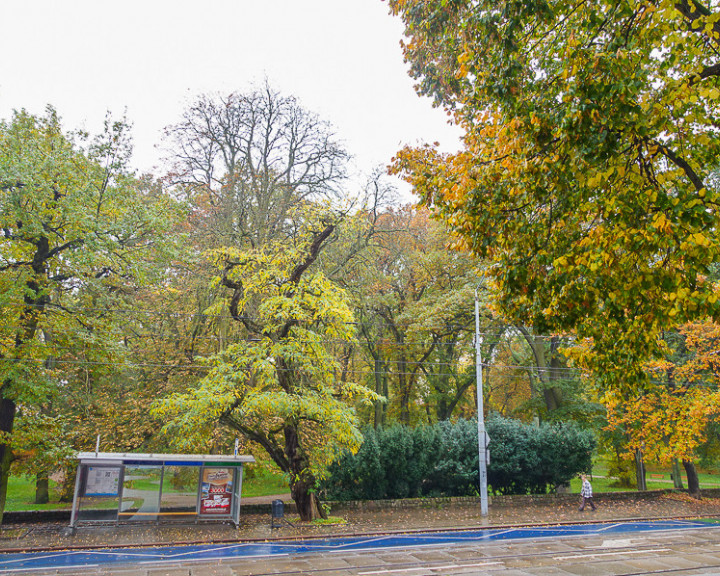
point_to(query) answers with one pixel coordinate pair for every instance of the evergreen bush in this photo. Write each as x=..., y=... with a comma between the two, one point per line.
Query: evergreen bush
x=456, y=467
x=442, y=460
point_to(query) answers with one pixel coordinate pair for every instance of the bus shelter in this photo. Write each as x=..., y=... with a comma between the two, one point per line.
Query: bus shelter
x=126, y=487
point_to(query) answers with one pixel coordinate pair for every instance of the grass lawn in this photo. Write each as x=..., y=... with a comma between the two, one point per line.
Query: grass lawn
x=265, y=483
x=602, y=484
x=21, y=490
x=21, y=496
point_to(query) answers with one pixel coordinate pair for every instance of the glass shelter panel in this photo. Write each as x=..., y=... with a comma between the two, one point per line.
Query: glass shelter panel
x=99, y=488
x=180, y=492
x=141, y=492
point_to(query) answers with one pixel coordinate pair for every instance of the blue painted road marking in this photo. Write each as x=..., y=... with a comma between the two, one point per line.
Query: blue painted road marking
x=13, y=562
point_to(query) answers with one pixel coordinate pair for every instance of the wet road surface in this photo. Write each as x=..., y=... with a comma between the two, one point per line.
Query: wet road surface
x=613, y=548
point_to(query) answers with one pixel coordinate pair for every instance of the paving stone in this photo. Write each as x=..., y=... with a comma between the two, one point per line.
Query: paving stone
x=521, y=562
x=587, y=569
x=550, y=571
x=513, y=572
x=392, y=557
x=648, y=564
x=244, y=567
x=320, y=562
x=460, y=554
x=205, y=570
x=168, y=572
x=434, y=555
x=360, y=559
x=680, y=562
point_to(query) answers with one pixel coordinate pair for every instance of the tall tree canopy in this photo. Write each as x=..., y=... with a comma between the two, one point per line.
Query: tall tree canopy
x=415, y=310
x=590, y=140
x=247, y=158
x=76, y=229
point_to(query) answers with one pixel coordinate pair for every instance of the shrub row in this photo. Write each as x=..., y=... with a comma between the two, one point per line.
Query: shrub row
x=442, y=460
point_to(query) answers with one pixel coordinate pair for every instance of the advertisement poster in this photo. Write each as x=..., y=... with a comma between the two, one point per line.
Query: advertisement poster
x=102, y=481
x=216, y=491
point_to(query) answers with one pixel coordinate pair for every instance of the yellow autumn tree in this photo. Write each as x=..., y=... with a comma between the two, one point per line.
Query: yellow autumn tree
x=281, y=386
x=669, y=419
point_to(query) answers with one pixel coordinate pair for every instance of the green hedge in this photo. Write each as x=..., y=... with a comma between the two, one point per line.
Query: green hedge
x=442, y=460
x=529, y=459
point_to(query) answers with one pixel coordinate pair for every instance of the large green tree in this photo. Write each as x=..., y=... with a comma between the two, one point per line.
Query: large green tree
x=75, y=227
x=590, y=133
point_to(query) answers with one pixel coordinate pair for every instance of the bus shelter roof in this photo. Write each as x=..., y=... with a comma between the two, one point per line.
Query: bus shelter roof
x=115, y=458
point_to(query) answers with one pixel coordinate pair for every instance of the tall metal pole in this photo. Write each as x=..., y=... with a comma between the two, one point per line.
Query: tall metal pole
x=482, y=461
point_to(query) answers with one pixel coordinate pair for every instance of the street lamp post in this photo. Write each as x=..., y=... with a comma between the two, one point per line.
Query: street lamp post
x=482, y=435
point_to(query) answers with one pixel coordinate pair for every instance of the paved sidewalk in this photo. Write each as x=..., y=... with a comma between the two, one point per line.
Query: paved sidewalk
x=407, y=516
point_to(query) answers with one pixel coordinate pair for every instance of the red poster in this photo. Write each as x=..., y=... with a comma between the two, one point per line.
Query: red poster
x=216, y=492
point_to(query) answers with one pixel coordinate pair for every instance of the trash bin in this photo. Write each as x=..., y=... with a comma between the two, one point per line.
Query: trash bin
x=278, y=511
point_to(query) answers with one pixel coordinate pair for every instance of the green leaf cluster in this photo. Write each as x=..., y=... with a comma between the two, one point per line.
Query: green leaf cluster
x=590, y=140
x=79, y=235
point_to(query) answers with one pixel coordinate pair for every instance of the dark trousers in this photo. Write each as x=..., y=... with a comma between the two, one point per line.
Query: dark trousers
x=587, y=501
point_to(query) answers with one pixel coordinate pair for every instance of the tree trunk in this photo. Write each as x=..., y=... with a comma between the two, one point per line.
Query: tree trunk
x=306, y=500
x=556, y=372
x=640, y=471
x=692, y=479
x=548, y=373
x=441, y=381
x=380, y=386
x=42, y=488
x=403, y=392
x=34, y=307
x=677, y=477
x=302, y=481
x=67, y=493
x=7, y=419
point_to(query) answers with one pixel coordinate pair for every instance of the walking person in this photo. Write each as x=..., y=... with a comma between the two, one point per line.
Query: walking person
x=586, y=493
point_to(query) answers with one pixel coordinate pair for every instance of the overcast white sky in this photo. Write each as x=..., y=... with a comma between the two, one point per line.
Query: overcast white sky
x=341, y=58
